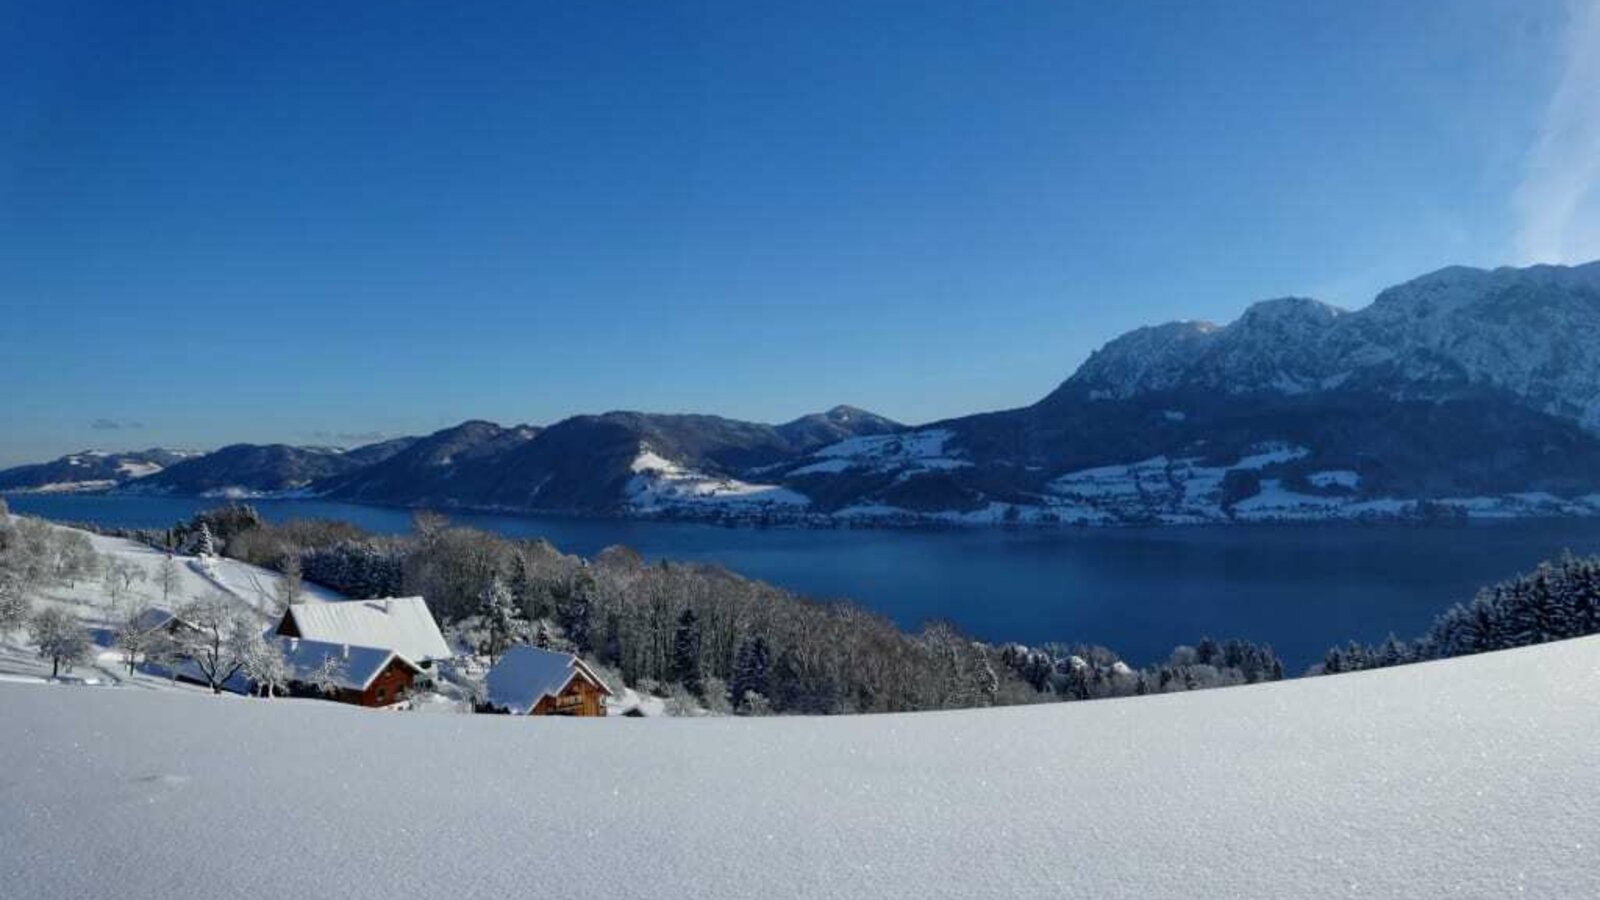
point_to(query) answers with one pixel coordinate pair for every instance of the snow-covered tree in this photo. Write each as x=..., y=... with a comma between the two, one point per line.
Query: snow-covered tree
x=133, y=637
x=328, y=677
x=25, y=554
x=264, y=665
x=61, y=638
x=166, y=651
x=501, y=619
x=76, y=557
x=168, y=577
x=715, y=697
x=120, y=577
x=291, y=582
x=15, y=607
x=220, y=644
x=207, y=544
x=755, y=704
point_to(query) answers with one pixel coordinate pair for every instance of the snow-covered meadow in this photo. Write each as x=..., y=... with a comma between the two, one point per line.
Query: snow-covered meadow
x=659, y=484
x=93, y=601
x=1473, y=777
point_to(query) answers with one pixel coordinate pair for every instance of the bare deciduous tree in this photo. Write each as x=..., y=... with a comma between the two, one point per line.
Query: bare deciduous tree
x=290, y=585
x=120, y=577
x=134, y=636
x=328, y=678
x=168, y=577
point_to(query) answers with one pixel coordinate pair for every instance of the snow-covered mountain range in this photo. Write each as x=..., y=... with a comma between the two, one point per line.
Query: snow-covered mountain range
x=1528, y=332
x=1465, y=392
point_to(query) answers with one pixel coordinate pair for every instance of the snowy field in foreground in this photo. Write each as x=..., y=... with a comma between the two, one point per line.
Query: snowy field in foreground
x=1474, y=777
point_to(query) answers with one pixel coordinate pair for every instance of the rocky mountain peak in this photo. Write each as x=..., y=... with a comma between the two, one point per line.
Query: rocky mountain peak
x=1532, y=332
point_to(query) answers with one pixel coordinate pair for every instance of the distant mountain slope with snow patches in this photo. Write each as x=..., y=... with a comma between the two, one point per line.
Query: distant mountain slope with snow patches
x=617, y=462
x=1463, y=392
x=252, y=470
x=90, y=470
x=1472, y=777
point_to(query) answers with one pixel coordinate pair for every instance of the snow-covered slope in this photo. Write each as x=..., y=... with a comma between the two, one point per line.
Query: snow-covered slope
x=1470, y=778
x=90, y=600
x=661, y=485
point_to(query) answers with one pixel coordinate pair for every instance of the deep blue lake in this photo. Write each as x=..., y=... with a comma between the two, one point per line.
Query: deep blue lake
x=1139, y=591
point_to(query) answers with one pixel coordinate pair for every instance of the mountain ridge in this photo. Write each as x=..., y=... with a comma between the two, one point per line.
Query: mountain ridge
x=1462, y=392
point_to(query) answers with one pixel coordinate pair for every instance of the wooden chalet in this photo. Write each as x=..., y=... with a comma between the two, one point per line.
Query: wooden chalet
x=528, y=681
x=363, y=676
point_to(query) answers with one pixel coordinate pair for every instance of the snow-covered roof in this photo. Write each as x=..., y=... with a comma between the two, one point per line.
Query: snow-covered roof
x=358, y=665
x=152, y=618
x=401, y=624
x=525, y=675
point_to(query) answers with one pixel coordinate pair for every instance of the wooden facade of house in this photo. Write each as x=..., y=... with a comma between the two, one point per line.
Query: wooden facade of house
x=580, y=698
x=365, y=676
x=530, y=681
x=392, y=685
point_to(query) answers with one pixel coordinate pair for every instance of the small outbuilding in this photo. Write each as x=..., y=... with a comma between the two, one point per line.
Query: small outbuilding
x=153, y=620
x=401, y=624
x=528, y=681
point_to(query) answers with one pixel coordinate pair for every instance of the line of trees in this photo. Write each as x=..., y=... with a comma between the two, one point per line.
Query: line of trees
x=1560, y=599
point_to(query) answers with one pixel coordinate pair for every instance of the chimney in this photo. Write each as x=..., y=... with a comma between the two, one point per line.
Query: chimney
x=386, y=604
x=346, y=651
x=294, y=645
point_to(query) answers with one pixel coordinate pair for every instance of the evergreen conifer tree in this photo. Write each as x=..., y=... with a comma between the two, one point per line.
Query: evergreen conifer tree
x=686, y=652
x=574, y=611
x=750, y=670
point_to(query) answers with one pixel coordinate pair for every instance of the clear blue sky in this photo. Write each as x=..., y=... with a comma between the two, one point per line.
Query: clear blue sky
x=311, y=221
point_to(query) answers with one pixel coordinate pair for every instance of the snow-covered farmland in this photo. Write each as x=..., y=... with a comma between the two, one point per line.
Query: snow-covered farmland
x=909, y=454
x=252, y=586
x=1473, y=777
x=659, y=484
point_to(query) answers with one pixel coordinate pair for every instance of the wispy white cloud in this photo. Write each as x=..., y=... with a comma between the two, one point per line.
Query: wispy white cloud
x=1556, y=205
x=351, y=437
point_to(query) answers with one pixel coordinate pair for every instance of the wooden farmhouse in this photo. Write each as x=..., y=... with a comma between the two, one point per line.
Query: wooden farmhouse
x=401, y=624
x=364, y=676
x=528, y=681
